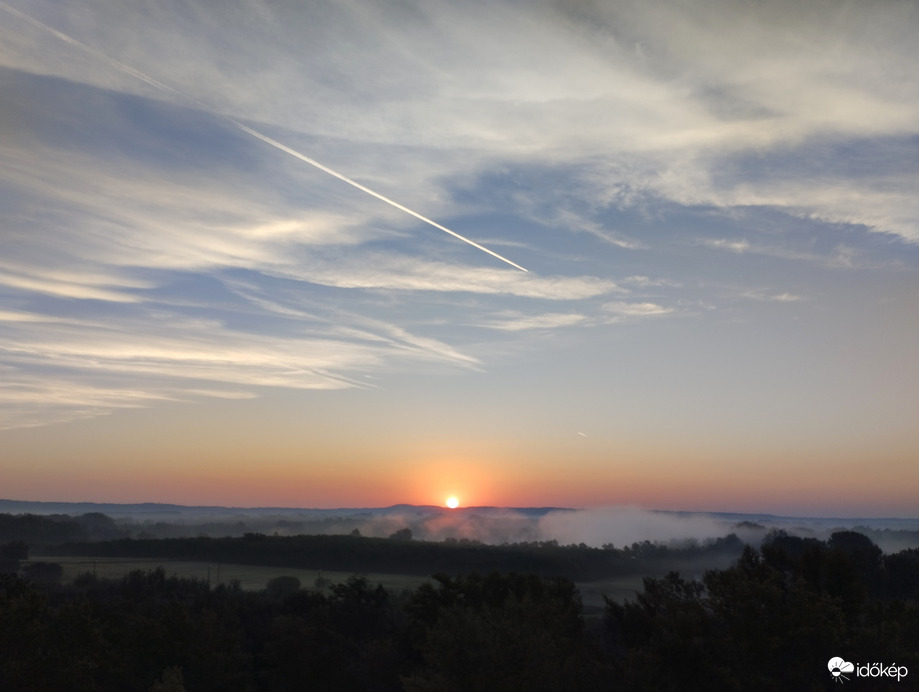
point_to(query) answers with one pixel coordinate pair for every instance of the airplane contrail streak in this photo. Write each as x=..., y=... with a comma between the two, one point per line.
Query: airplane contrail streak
x=137, y=74
x=313, y=162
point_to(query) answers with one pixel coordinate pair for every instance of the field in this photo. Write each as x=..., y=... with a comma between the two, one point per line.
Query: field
x=250, y=577
x=619, y=589
x=253, y=577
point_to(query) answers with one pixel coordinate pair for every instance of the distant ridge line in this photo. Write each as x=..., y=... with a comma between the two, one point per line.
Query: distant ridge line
x=7, y=505
x=161, y=508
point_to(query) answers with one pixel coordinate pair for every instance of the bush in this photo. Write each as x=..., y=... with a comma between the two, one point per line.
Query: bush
x=283, y=586
x=44, y=572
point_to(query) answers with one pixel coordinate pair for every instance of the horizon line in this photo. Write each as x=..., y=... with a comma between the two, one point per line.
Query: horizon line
x=546, y=508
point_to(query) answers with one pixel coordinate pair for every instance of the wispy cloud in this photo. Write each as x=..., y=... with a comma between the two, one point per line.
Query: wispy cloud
x=840, y=256
x=85, y=287
x=396, y=272
x=545, y=321
x=738, y=246
x=647, y=282
x=578, y=223
x=30, y=398
x=769, y=296
x=627, y=309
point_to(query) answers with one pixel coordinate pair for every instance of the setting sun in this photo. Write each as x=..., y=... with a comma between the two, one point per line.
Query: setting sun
x=452, y=502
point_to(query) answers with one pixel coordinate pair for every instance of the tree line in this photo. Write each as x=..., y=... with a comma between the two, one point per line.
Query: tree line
x=40, y=530
x=397, y=555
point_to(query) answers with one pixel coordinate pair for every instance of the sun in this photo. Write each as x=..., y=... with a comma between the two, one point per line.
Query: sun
x=452, y=502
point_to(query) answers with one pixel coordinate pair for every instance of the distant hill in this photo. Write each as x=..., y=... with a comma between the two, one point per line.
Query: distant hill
x=153, y=510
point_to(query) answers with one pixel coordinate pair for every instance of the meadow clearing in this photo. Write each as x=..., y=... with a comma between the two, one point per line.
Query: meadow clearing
x=256, y=577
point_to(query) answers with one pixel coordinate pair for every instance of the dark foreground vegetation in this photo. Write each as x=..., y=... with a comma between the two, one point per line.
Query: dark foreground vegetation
x=771, y=621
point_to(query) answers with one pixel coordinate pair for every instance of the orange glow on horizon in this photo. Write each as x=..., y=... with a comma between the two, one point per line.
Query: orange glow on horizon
x=164, y=467
x=452, y=502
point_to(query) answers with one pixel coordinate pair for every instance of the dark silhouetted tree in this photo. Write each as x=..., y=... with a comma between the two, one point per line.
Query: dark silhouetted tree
x=502, y=632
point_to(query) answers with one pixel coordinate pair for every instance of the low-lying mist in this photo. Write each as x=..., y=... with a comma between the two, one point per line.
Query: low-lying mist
x=610, y=527
x=618, y=526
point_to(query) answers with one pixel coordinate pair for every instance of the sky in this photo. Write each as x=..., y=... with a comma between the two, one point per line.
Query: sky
x=681, y=272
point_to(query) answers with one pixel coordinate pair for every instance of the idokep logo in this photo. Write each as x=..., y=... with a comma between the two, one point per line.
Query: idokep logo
x=838, y=667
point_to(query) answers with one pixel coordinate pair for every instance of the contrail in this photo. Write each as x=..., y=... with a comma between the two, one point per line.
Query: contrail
x=137, y=74
x=313, y=162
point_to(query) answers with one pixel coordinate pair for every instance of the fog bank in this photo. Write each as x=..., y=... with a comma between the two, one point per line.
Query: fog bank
x=619, y=526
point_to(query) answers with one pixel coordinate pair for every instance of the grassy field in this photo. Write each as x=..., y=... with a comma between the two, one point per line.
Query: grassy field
x=621, y=589
x=254, y=578
x=250, y=577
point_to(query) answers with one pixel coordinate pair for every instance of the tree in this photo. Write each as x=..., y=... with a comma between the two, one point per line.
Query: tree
x=172, y=681
x=502, y=632
x=98, y=526
x=759, y=624
x=663, y=638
